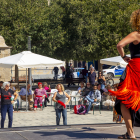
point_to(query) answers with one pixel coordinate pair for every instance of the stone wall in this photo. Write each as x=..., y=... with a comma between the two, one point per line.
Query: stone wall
x=5, y=74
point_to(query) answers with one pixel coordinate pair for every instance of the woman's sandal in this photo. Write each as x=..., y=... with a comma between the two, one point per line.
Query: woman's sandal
x=126, y=136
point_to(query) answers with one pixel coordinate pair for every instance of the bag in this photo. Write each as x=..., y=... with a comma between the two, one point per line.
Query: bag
x=79, y=109
x=100, y=81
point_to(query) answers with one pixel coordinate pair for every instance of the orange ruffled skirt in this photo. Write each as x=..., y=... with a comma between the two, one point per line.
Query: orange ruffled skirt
x=129, y=90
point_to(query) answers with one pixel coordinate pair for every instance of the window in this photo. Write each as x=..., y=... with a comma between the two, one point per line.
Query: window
x=112, y=67
x=119, y=67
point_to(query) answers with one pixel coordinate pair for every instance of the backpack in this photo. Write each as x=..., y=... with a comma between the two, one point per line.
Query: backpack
x=79, y=109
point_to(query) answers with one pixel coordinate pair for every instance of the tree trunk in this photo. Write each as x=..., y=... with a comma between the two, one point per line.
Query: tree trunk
x=99, y=66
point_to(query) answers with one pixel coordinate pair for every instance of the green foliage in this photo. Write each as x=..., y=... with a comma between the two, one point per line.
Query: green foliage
x=67, y=29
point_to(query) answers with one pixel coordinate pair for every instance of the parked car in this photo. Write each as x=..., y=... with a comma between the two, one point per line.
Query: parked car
x=104, y=66
x=113, y=71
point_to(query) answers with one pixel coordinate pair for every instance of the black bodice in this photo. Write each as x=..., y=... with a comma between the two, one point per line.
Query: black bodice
x=134, y=50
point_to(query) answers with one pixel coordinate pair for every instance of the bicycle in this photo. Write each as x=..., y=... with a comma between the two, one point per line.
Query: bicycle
x=109, y=81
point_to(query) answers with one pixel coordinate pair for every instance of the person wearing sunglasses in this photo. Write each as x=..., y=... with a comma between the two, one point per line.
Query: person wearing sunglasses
x=6, y=103
x=101, y=79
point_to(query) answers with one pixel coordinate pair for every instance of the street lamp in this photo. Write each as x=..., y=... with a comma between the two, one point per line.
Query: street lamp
x=3, y=46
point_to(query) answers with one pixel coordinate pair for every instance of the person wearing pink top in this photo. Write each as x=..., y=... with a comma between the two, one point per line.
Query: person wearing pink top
x=48, y=89
x=39, y=95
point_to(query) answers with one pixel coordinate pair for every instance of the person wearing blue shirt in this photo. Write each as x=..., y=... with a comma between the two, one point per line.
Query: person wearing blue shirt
x=94, y=97
x=22, y=94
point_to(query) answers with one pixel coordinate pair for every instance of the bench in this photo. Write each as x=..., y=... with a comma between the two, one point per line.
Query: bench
x=74, y=80
x=49, y=81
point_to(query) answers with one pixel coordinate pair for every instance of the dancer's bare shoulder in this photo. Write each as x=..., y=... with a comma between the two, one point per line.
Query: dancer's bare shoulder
x=137, y=36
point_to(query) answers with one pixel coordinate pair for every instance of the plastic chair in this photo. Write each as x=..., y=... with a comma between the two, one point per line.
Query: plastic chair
x=69, y=93
x=97, y=104
x=53, y=91
x=74, y=93
x=21, y=101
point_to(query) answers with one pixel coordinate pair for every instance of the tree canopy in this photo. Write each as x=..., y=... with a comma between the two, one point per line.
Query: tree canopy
x=67, y=29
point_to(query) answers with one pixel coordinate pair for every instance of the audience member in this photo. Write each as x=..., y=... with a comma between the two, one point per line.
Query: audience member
x=84, y=93
x=85, y=73
x=106, y=95
x=81, y=88
x=91, y=66
x=99, y=88
x=56, y=69
x=12, y=97
x=86, y=90
x=48, y=89
x=80, y=75
x=60, y=106
x=6, y=104
x=92, y=76
x=70, y=73
x=22, y=94
x=63, y=71
x=116, y=117
x=39, y=95
x=101, y=79
x=94, y=97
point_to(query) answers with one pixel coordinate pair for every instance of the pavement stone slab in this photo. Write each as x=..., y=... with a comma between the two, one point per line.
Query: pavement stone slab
x=48, y=117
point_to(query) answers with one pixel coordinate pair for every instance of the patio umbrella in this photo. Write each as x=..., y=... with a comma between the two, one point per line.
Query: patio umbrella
x=115, y=61
x=27, y=59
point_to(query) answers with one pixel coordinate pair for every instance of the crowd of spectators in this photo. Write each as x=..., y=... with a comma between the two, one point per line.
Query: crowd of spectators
x=92, y=93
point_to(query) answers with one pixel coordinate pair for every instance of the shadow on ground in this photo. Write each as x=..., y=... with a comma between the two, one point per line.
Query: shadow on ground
x=86, y=133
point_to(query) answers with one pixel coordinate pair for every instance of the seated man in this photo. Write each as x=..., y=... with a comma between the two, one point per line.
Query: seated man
x=94, y=97
x=29, y=96
x=85, y=92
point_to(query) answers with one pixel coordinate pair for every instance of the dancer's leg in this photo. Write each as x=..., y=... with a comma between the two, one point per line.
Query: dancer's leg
x=89, y=99
x=127, y=118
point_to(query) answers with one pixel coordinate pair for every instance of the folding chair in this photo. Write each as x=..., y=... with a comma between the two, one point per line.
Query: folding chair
x=53, y=91
x=69, y=93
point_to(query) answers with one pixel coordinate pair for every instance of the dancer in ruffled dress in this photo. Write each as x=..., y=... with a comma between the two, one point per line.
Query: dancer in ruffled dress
x=128, y=93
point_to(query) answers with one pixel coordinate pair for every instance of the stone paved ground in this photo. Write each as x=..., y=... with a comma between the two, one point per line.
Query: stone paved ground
x=47, y=117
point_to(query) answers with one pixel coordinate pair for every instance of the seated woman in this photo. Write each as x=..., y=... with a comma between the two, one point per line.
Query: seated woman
x=39, y=95
x=85, y=92
x=81, y=88
x=48, y=89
